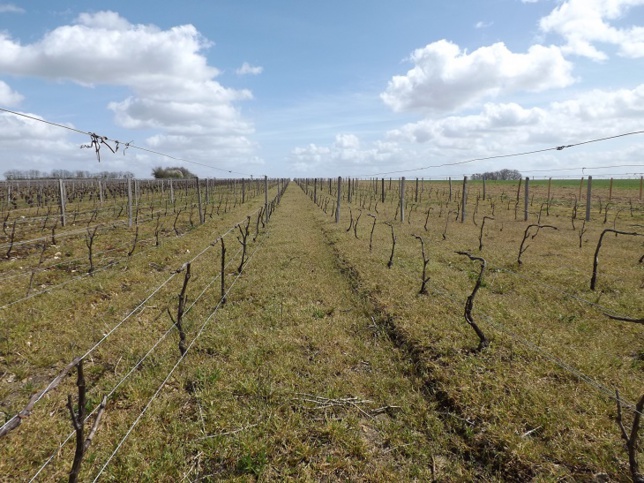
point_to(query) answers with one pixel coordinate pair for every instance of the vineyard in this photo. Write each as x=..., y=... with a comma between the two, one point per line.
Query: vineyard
x=322, y=329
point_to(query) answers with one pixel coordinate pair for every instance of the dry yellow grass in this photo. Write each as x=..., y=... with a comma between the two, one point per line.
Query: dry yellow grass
x=526, y=413
x=325, y=365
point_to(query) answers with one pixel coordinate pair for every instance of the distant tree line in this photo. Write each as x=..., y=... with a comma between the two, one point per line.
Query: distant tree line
x=174, y=172
x=503, y=174
x=15, y=174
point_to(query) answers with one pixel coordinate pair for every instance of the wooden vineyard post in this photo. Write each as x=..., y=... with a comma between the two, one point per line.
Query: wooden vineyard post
x=526, y=199
x=223, y=271
x=416, y=195
x=450, y=190
x=265, y=198
x=349, y=190
x=382, y=191
x=588, y=197
x=315, y=191
x=171, y=192
x=464, y=199
x=100, y=191
x=641, y=186
x=63, y=196
x=402, y=199
x=483, y=187
x=202, y=218
x=337, y=206
x=129, y=202
x=610, y=190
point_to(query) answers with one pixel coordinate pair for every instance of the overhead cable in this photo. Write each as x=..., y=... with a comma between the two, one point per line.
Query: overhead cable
x=96, y=141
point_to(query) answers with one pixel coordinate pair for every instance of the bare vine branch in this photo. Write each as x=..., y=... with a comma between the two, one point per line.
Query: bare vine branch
x=425, y=277
x=593, y=279
x=631, y=439
x=469, y=304
x=526, y=234
x=393, y=245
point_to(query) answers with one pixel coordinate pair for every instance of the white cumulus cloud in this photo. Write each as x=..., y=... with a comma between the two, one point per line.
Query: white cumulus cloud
x=492, y=118
x=445, y=78
x=510, y=127
x=347, y=152
x=10, y=8
x=247, y=69
x=173, y=88
x=585, y=23
x=8, y=96
x=483, y=25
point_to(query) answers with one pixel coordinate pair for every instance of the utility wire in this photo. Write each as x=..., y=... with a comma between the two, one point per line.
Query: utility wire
x=131, y=313
x=586, y=169
x=162, y=385
x=97, y=140
x=171, y=328
x=510, y=155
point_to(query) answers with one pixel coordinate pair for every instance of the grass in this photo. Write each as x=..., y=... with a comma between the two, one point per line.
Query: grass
x=514, y=387
x=326, y=365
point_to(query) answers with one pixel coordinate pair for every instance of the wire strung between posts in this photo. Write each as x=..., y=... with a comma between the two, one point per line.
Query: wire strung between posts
x=599, y=307
x=563, y=365
x=97, y=140
x=510, y=155
x=142, y=304
x=174, y=274
x=135, y=310
x=130, y=372
x=158, y=391
x=15, y=274
x=441, y=177
x=583, y=168
x=552, y=358
x=62, y=284
x=59, y=236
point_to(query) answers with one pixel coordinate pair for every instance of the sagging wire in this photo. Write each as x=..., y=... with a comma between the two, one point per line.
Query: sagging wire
x=510, y=155
x=96, y=141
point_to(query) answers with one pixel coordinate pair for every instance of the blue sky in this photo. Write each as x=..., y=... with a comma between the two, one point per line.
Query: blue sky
x=302, y=88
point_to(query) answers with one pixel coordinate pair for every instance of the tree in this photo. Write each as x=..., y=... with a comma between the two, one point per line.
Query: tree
x=503, y=174
x=173, y=172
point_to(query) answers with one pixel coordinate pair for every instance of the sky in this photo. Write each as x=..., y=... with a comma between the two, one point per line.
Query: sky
x=296, y=88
